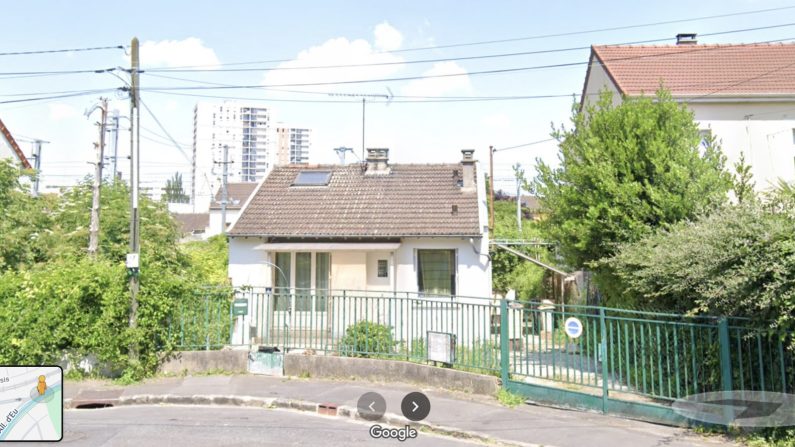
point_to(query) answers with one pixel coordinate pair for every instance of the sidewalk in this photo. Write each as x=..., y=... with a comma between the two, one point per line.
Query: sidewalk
x=469, y=413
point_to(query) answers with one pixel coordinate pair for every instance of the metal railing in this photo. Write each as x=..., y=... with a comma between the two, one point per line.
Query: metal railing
x=661, y=356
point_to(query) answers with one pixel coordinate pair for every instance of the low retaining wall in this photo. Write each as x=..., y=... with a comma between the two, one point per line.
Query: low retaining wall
x=234, y=361
x=377, y=370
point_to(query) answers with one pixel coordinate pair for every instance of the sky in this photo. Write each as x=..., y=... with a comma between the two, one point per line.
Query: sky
x=428, y=119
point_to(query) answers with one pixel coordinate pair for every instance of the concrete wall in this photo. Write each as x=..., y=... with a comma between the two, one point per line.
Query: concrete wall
x=388, y=371
x=203, y=361
x=349, y=270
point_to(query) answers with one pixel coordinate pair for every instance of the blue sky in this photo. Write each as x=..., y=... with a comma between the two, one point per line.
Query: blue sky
x=312, y=33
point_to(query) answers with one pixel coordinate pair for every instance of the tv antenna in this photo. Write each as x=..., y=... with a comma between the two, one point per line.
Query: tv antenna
x=364, y=97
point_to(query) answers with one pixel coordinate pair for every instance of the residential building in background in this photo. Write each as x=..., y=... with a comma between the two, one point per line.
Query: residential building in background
x=10, y=149
x=744, y=94
x=293, y=145
x=245, y=128
x=236, y=196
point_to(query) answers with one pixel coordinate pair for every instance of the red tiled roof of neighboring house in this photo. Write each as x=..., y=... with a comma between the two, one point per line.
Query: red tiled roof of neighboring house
x=701, y=70
x=14, y=146
x=236, y=194
x=412, y=200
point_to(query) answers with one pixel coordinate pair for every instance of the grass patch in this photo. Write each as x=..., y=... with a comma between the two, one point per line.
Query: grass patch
x=508, y=398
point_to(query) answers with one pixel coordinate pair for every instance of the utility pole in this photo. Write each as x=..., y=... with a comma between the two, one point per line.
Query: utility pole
x=491, y=187
x=115, y=162
x=224, y=190
x=517, y=169
x=93, y=232
x=37, y=164
x=133, y=257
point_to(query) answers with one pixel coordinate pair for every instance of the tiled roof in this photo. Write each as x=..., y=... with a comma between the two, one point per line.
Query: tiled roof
x=412, y=200
x=237, y=194
x=6, y=134
x=697, y=70
x=192, y=222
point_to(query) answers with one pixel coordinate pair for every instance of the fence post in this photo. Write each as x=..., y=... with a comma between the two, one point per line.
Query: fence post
x=725, y=355
x=504, y=364
x=603, y=352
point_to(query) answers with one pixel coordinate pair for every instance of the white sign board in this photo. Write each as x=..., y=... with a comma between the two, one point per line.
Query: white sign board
x=441, y=347
x=573, y=327
x=132, y=260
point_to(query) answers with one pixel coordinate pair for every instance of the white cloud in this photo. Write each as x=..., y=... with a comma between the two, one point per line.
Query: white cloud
x=175, y=53
x=339, y=51
x=60, y=111
x=440, y=86
x=387, y=38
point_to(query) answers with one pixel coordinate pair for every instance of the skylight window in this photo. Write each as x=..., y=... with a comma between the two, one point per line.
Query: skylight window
x=312, y=178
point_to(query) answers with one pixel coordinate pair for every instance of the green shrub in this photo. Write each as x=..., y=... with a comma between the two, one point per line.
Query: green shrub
x=366, y=338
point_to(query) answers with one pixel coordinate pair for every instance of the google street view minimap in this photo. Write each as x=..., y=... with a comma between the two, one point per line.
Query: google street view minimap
x=31, y=403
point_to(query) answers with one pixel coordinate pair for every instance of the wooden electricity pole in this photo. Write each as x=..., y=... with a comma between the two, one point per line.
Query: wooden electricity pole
x=93, y=232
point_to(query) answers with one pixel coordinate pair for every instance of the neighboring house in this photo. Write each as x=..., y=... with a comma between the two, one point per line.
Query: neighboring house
x=10, y=149
x=742, y=94
x=236, y=196
x=532, y=207
x=375, y=227
x=193, y=226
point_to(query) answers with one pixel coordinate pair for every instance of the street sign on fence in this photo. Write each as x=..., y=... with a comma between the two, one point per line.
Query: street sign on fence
x=240, y=307
x=573, y=327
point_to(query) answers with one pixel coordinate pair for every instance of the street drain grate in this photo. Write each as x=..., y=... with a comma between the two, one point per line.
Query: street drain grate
x=93, y=405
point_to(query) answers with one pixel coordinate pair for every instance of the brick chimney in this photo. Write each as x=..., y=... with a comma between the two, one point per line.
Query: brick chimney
x=377, y=161
x=686, y=39
x=468, y=174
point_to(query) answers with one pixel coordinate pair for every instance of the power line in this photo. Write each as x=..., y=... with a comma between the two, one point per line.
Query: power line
x=72, y=95
x=450, y=59
x=516, y=39
x=533, y=143
x=68, y=50
x=159, y=124
x=678, y=52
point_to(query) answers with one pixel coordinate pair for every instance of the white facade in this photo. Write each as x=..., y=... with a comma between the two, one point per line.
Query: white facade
x=245, y=128
x=760, y=127
x=293, y=144
x=215, y=220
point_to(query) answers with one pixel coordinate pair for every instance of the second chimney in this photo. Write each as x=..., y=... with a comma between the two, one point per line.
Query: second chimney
x=468, y=174
x=377, y=161
x=686, y=39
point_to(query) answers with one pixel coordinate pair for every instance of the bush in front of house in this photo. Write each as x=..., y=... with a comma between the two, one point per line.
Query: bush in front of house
x=365, y=339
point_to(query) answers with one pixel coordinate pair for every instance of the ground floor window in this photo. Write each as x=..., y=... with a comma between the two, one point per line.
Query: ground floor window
x=436, y=272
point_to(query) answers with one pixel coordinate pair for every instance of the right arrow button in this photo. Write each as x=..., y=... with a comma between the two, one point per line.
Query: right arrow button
x=415, y=406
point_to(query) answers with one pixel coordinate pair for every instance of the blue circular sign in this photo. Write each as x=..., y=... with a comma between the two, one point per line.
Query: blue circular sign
x=573, y=327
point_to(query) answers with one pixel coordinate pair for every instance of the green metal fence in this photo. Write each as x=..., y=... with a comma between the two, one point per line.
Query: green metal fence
x=625, y=360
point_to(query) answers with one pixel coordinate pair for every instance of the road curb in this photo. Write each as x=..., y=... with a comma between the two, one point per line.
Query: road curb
x=342, y=411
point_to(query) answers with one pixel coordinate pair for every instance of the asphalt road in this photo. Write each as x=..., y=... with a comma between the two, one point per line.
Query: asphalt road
x=199, y=426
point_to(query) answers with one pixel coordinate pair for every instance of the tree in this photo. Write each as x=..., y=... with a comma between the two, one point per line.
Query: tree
x=738, y=261
x=625, y=170
x=743, y=184
x=173, y=192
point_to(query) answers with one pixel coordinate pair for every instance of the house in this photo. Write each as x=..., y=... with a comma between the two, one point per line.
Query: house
x=236, y=196
x=10, y=149
x=531, y=207
x=742, y=94
x=193, y=226
x=370, y=227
